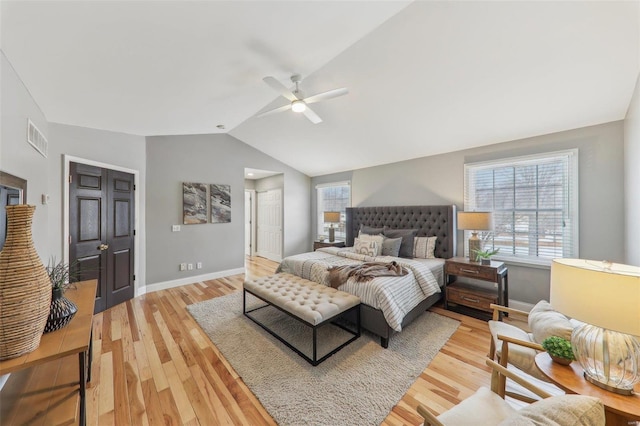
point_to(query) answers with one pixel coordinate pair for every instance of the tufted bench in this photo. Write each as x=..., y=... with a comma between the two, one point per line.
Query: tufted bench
x=313, y=304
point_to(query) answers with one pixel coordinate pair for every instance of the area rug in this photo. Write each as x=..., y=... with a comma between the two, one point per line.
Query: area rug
x=359, y=385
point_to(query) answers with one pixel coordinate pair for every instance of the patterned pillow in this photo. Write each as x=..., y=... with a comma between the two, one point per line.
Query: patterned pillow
x=377, y=238
x=368, y=248
x=424, y=247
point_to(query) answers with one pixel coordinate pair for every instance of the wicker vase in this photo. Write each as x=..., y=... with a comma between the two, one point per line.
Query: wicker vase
x=25, y=288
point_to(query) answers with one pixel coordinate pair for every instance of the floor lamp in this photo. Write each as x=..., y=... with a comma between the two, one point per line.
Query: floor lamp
x=606, y=297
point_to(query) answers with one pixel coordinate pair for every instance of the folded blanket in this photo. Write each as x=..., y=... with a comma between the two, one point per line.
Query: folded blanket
x=364, y=272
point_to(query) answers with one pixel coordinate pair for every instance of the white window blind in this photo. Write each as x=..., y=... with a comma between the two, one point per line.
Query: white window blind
x=534, y=201
x=333, y=197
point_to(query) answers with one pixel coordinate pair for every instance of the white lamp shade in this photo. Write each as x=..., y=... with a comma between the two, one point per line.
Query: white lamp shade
x=475, y=221
x=599, y=293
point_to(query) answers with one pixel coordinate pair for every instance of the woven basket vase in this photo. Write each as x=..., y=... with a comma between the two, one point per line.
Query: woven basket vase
x=25, y=288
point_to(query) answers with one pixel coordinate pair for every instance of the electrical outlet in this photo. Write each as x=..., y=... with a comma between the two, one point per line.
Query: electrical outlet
x=183, y=266
x=199, y=265
x=175, y=228
x=190, y=266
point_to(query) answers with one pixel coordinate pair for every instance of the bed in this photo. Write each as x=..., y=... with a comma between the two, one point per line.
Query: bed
x=404, y=298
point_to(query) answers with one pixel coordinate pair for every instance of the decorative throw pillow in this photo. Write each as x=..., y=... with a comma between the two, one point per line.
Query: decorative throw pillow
x=424, y=247
x=391, y=247
x=545, y=322
x=364, y=229
x=377, y=238
x=407, y=235
x=368, y=248
x=560, y=410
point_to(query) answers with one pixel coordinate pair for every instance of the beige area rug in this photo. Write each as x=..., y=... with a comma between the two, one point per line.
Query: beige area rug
x=359, y=385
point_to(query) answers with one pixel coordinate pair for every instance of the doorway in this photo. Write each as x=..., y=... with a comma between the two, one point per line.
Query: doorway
x=249, y=221
x=102, y=230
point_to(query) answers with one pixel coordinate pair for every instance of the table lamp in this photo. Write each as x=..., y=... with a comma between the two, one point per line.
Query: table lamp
x=474, y=222
x=606, y=297
x=332, y=217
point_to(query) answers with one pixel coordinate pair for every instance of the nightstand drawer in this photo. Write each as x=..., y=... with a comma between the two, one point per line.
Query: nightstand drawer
x=473, y=298
x=471, y=271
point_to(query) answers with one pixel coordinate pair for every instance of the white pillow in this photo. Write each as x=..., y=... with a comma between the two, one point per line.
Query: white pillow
x=424, y=247
x=377, y=238
x=368, y=248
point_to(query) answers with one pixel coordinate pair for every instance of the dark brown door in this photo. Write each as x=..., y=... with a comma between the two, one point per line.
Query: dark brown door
x=101, y=219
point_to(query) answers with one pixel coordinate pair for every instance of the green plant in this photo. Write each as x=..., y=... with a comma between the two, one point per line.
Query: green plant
x=559, y=347
x=63, y=274
x=485, y=254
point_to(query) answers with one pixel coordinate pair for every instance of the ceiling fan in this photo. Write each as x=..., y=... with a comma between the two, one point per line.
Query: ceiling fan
x=298, y=102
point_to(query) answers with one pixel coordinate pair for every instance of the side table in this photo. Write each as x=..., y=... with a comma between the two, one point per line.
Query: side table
x=620, y=410
x=320, y=244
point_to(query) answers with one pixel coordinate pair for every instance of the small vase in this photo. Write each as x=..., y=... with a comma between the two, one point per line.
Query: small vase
x=61, y=312
x=485, y=261
x=559, y=360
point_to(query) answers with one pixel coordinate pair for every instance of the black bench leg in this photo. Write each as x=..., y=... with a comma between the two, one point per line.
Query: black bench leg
x=384, y=342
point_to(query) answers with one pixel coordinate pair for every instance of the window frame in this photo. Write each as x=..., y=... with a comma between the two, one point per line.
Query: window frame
x=570, y=212
x=319, y=212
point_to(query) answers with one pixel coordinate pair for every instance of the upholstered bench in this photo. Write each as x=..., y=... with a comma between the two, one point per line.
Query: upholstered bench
x=313, y=304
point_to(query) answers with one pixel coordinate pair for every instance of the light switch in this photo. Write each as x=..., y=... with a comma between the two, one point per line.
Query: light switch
x=175, y=228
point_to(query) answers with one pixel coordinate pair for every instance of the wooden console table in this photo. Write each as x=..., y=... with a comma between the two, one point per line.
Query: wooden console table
x=45, y=385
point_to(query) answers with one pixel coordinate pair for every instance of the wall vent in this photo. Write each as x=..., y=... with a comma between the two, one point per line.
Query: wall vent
x=37, y=139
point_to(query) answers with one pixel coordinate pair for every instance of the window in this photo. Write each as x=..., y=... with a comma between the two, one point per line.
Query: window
x=534, y=201
x=333, y=197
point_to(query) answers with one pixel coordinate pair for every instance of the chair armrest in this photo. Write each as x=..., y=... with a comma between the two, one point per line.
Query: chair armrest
x=532, y=345
x=499, y=308
x=511, y=375
x=429, y=419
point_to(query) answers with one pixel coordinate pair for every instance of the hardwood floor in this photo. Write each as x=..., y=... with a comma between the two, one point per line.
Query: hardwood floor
x=154, y=365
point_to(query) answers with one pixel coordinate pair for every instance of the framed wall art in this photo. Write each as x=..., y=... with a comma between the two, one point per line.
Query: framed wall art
x=220, y=203
x=194, y=203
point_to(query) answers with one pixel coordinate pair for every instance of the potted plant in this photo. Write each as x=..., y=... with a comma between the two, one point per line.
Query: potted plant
x=484, y=256
x=559, y=349
x=62, y=309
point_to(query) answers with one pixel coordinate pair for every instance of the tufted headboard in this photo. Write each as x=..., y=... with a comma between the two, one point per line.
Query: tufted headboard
x=430, y=221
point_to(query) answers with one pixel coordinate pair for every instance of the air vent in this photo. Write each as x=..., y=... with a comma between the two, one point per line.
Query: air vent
x=37, y=139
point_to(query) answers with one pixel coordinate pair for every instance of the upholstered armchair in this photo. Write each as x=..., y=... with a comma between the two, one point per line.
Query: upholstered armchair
x=517, y=347
x=486, y=407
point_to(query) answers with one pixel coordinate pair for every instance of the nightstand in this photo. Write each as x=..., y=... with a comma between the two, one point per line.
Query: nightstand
x=470, y=295
x=320, y=244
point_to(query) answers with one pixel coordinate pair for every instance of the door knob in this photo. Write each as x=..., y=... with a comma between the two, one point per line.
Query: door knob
x=103, y=247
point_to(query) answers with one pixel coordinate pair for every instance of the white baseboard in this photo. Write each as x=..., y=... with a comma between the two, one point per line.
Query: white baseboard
x=149, y=288
x=523, y=306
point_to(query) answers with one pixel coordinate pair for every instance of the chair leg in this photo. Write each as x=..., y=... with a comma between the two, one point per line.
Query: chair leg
x=492, y=350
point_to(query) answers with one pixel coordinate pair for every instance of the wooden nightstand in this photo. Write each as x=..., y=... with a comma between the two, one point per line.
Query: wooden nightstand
x=320, y=244
x=472, y=296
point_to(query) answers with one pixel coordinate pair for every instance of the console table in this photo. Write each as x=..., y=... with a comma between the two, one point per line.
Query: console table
x=45, y=385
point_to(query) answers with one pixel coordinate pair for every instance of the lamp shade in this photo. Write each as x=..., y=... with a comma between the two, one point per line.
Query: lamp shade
x=601, y=293
x=331, y=217
x=475, y=221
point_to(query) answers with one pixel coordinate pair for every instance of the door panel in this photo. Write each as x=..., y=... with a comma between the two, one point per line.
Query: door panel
x=270, y=224
x=101, y=218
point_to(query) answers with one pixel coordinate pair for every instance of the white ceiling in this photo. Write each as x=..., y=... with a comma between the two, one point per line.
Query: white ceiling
x=424, y=78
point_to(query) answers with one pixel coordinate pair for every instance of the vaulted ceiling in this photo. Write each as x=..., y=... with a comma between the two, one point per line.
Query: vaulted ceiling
x=423, y=77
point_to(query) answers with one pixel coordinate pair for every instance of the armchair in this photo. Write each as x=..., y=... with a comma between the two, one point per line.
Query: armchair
x=486, y=407
x=517, y=347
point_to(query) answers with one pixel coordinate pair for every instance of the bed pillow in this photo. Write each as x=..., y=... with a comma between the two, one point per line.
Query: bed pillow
x=391, y=247
x=379, y=239
x=407, y=235
x=368, y=248
x=424, y=247
x=364, y=229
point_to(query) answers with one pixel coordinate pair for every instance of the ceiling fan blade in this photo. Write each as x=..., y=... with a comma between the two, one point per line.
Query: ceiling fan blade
x=273, y=111
x=326, y=95
x=280, y=88
x=312, y=116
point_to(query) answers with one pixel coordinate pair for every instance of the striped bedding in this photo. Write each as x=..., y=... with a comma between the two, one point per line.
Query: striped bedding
x=394, y=296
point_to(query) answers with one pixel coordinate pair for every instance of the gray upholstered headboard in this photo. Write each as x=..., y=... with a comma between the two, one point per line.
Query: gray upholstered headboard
x=430, y=221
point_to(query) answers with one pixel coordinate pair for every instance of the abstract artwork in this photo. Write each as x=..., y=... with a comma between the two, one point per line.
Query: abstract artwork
x=194, y=203
x=220, y=203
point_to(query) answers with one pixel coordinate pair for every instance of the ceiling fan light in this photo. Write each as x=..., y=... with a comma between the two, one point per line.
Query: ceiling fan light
x=298, y=106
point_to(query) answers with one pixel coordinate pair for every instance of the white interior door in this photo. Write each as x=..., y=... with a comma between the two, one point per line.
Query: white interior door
x=247, y=223
x=269, y=213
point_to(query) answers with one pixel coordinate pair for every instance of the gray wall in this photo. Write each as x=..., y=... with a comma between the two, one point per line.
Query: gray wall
x=221, y=159
x=19, y=158
x=632, y=178
x=268, y=183
x=440, y=180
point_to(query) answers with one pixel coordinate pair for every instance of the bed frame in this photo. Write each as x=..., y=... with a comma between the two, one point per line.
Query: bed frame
x=430, y=221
